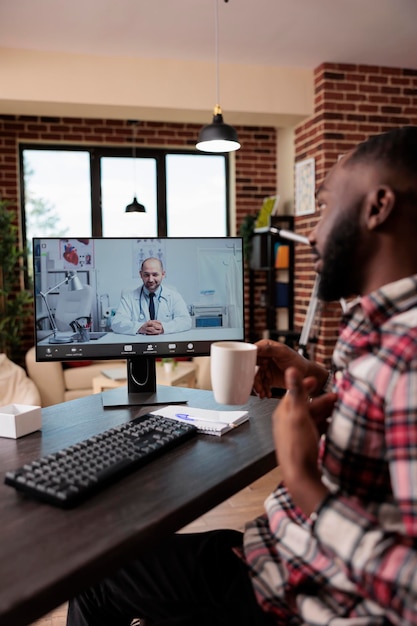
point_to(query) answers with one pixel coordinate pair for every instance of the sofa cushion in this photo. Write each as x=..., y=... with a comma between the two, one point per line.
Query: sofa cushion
x=82, y=377
x=15, y=386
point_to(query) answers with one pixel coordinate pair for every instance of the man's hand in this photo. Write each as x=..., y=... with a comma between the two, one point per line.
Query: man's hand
x=152, y=327
x=274, y=358
x=296, y=440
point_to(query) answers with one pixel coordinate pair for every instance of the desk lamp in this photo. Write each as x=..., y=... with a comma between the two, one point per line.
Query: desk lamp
x=76, y=285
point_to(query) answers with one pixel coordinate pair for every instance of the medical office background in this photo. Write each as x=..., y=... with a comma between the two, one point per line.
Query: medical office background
x=207, y=272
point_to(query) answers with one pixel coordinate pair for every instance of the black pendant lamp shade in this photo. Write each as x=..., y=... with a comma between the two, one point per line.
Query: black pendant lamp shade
x=218, y=136
x=135, y=207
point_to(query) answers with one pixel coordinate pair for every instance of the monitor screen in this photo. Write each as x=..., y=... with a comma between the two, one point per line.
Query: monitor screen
x=138, y=299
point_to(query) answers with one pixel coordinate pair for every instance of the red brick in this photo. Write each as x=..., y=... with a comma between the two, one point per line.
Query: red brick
x=400, y=80
x=369, y=69
x=366, y=88
x=393, y=71
x=359, y=78
x=369, y=108
x=378, y=79
x=391, y=90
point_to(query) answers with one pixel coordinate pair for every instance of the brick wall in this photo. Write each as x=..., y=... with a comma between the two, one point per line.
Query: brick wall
x=255, y=162
x=352, y=102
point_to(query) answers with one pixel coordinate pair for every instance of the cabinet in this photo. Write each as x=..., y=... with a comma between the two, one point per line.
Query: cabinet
x=271, y=265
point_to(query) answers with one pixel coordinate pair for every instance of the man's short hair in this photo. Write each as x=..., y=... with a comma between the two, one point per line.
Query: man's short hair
x=396, y=149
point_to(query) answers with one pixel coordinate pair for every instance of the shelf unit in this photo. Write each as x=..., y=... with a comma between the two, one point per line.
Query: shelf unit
x=46, y=277
x=273, y=257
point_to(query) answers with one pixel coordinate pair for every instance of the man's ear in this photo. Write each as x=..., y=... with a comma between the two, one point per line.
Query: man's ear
x=379, y=205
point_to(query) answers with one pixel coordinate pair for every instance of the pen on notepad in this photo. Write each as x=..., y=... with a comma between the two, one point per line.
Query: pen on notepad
x=189, y=418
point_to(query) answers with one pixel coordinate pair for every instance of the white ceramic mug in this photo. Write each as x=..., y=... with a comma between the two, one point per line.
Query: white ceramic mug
x=233, y=369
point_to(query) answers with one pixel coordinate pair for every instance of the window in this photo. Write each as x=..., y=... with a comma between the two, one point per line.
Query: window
x=196, y=195
x=122, y=179
x=57, y=195
x=83, y=191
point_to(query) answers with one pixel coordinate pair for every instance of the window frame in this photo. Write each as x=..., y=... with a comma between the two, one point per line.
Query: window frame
x=96, y=152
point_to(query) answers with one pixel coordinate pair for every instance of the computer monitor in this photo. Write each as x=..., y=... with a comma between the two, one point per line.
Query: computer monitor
x=92, y=301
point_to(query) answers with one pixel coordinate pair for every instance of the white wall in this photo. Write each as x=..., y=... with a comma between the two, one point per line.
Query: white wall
x=45, y=83
x=116, y=265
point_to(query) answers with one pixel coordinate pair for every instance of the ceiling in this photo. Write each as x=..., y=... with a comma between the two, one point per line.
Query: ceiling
x=291, y=33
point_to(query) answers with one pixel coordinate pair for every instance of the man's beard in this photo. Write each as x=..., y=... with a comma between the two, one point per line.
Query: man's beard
x=340, y=260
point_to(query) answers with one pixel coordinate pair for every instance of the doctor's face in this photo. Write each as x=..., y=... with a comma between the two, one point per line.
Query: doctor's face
x=152, y=274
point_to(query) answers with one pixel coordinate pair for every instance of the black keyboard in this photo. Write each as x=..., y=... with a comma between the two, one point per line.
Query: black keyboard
x=72, y=474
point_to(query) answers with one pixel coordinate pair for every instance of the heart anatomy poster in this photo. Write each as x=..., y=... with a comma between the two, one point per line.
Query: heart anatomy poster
x=76, y=253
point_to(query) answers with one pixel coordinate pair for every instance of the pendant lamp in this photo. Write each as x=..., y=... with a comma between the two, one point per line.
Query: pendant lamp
x=217, y=136
x=135, y=206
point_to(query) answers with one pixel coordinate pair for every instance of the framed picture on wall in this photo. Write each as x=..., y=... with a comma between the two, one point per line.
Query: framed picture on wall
x=305, y=187
x=77, y=253
x=146, y=248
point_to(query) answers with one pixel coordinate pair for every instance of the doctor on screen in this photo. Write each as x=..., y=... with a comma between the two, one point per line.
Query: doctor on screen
x=151, y=309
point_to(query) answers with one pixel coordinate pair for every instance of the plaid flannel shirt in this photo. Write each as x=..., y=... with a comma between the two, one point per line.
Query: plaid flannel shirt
x=357, y=562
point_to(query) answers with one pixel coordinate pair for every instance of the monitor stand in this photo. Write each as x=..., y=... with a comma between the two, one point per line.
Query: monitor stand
x=141, y=387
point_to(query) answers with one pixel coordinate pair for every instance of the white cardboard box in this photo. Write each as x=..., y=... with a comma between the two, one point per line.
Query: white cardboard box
x=17, y=420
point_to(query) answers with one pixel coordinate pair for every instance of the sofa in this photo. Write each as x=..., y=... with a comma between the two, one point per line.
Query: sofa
x=58, y=382
x=15, y=386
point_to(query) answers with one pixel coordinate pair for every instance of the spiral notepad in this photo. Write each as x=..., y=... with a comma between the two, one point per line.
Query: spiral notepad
x=207, y=421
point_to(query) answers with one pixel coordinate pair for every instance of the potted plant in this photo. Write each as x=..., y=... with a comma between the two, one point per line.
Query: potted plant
x=261, y=219
x=246, y=232
x=168, y=364
x=14, y=298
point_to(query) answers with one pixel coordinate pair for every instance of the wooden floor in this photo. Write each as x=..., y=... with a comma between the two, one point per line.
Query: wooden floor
x=232, y=513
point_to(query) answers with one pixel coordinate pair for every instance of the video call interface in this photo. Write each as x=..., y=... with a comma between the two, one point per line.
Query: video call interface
x=91, y=301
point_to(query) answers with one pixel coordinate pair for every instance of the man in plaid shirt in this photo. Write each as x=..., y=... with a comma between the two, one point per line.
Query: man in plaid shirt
x=338, y=542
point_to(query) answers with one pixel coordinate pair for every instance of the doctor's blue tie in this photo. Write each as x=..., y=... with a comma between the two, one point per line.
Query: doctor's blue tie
x=151, y=306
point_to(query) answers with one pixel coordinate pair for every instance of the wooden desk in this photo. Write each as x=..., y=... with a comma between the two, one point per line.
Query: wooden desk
x=183, y=375
x=47, y=555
